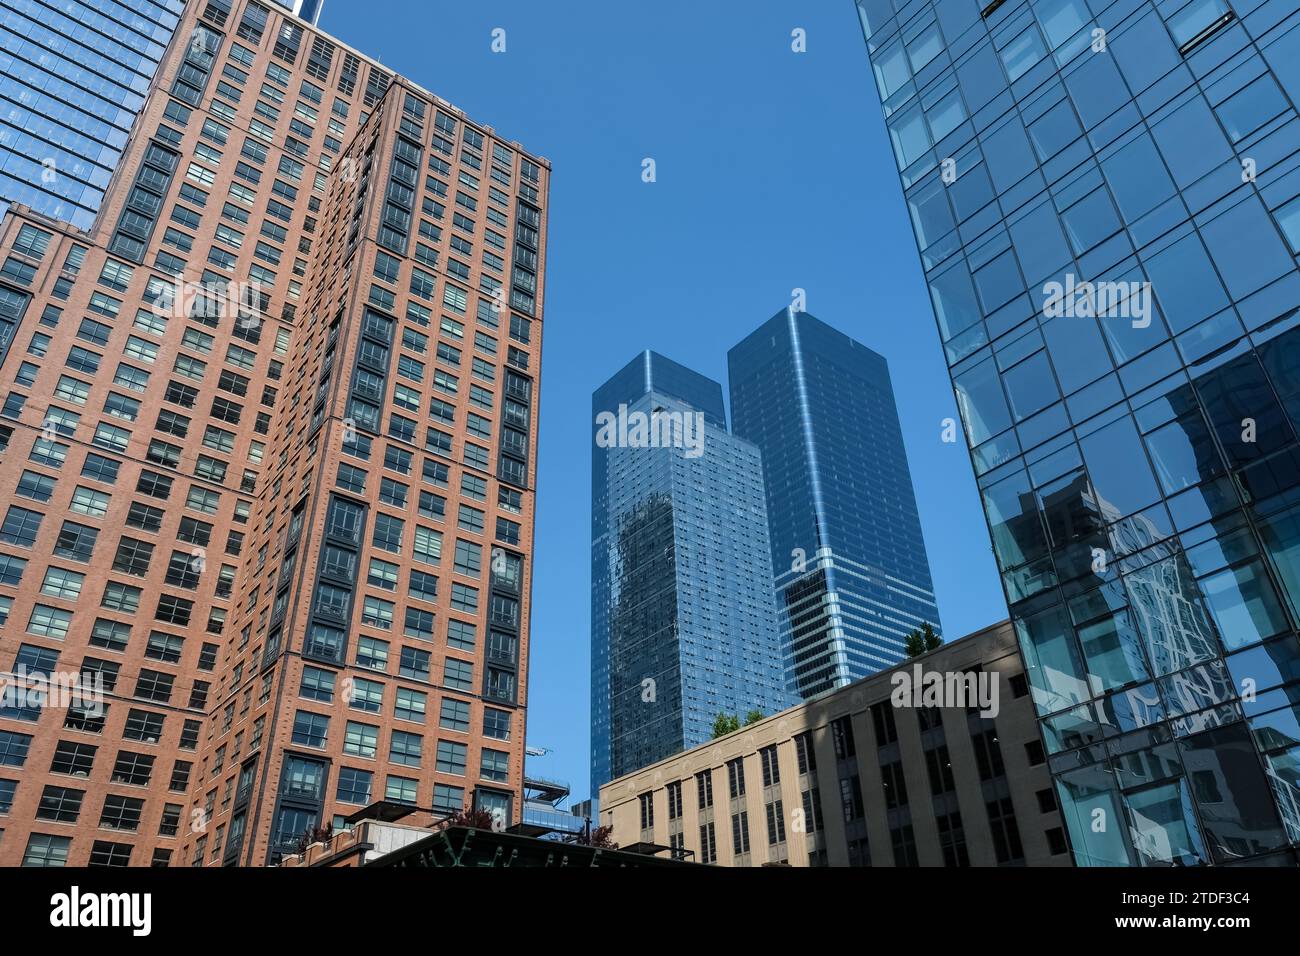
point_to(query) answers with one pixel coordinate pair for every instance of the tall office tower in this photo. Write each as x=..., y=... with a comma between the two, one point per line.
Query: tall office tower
x=852, y=576
x=230, y=500
x=1105, y=199
x=683, y=622
x=73, y=76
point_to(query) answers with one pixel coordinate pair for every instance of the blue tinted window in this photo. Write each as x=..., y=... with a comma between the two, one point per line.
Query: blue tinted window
x=1138, y=178
x=931, y=215
x=1288, y=217
x=1022, y=53
x=1144, y=53
x=1054, y=130
x=1061, y=19
x=1246, y=248
x=1030, y=386
x=1097, y=89
x=1186, y=284
x=1195, y=18
x=1118, y=467
x=1248, y=110
x=946, y=115
x=998, y=281
x=1090, y=220
x=1007, y=153
x=910, y=137
x=1077, y=350
x=982, y=404
x=1039, y=244
x=954, y=300
x=1191, y=142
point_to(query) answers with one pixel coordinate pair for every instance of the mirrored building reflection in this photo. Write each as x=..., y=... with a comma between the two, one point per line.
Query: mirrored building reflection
x=1106, y=202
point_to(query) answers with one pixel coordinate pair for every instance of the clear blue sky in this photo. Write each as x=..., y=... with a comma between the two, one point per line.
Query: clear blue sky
x=773, y=173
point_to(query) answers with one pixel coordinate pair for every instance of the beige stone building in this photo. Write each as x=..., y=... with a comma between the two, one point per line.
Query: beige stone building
x=866, y=775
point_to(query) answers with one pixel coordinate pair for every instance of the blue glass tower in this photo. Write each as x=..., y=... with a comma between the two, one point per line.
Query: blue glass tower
x=852, y=576
x=1106, y=200
x=683, y=621
x=73, y=76
x=309, y=10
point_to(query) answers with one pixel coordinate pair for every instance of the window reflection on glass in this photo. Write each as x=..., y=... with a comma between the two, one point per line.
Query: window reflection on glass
x=1284, y=776
x=1119, y=469
x=1195, y=18
x=1114, y=656
x=1022, y=53
x=1231, y=794
x=1243, y=604
x=1243, y=410
x=1091, y=811
x=981, y=402
x=1288, y=217
x=946, y=115
x=909, y=136
x=1183, y=452
x=954, y=300
x=1052, y=659
x=1163, y=826
x=1246, y=111
x=1061, y=19
x=1170, y=619
x=925, y=47
x=891, y=70
x=1031, y=386
x=1281, y=534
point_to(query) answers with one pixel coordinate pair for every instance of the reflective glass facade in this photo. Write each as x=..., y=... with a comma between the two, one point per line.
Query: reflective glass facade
x=73, y=76
x=1137, y=449
x=683, y=618
x=852, y=577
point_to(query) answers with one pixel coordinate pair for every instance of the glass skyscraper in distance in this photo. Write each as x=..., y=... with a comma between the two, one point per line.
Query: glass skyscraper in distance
x=1137, y=456
x=73, y=76
x=309, y=10
x=852, y=576
x=683, y=618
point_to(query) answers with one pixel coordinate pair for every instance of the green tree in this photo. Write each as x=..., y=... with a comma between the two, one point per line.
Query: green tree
x=725, y=724
x=922, y=641
x=932, y=640
x=753, y=717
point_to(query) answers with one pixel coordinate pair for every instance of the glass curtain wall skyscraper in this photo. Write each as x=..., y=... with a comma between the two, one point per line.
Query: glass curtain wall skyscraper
x=1106, y=200
x=683, y=620
x=852, y=576
x=73, y=77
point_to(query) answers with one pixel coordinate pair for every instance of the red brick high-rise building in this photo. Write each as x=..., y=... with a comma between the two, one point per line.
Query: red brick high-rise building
x=283, y=509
